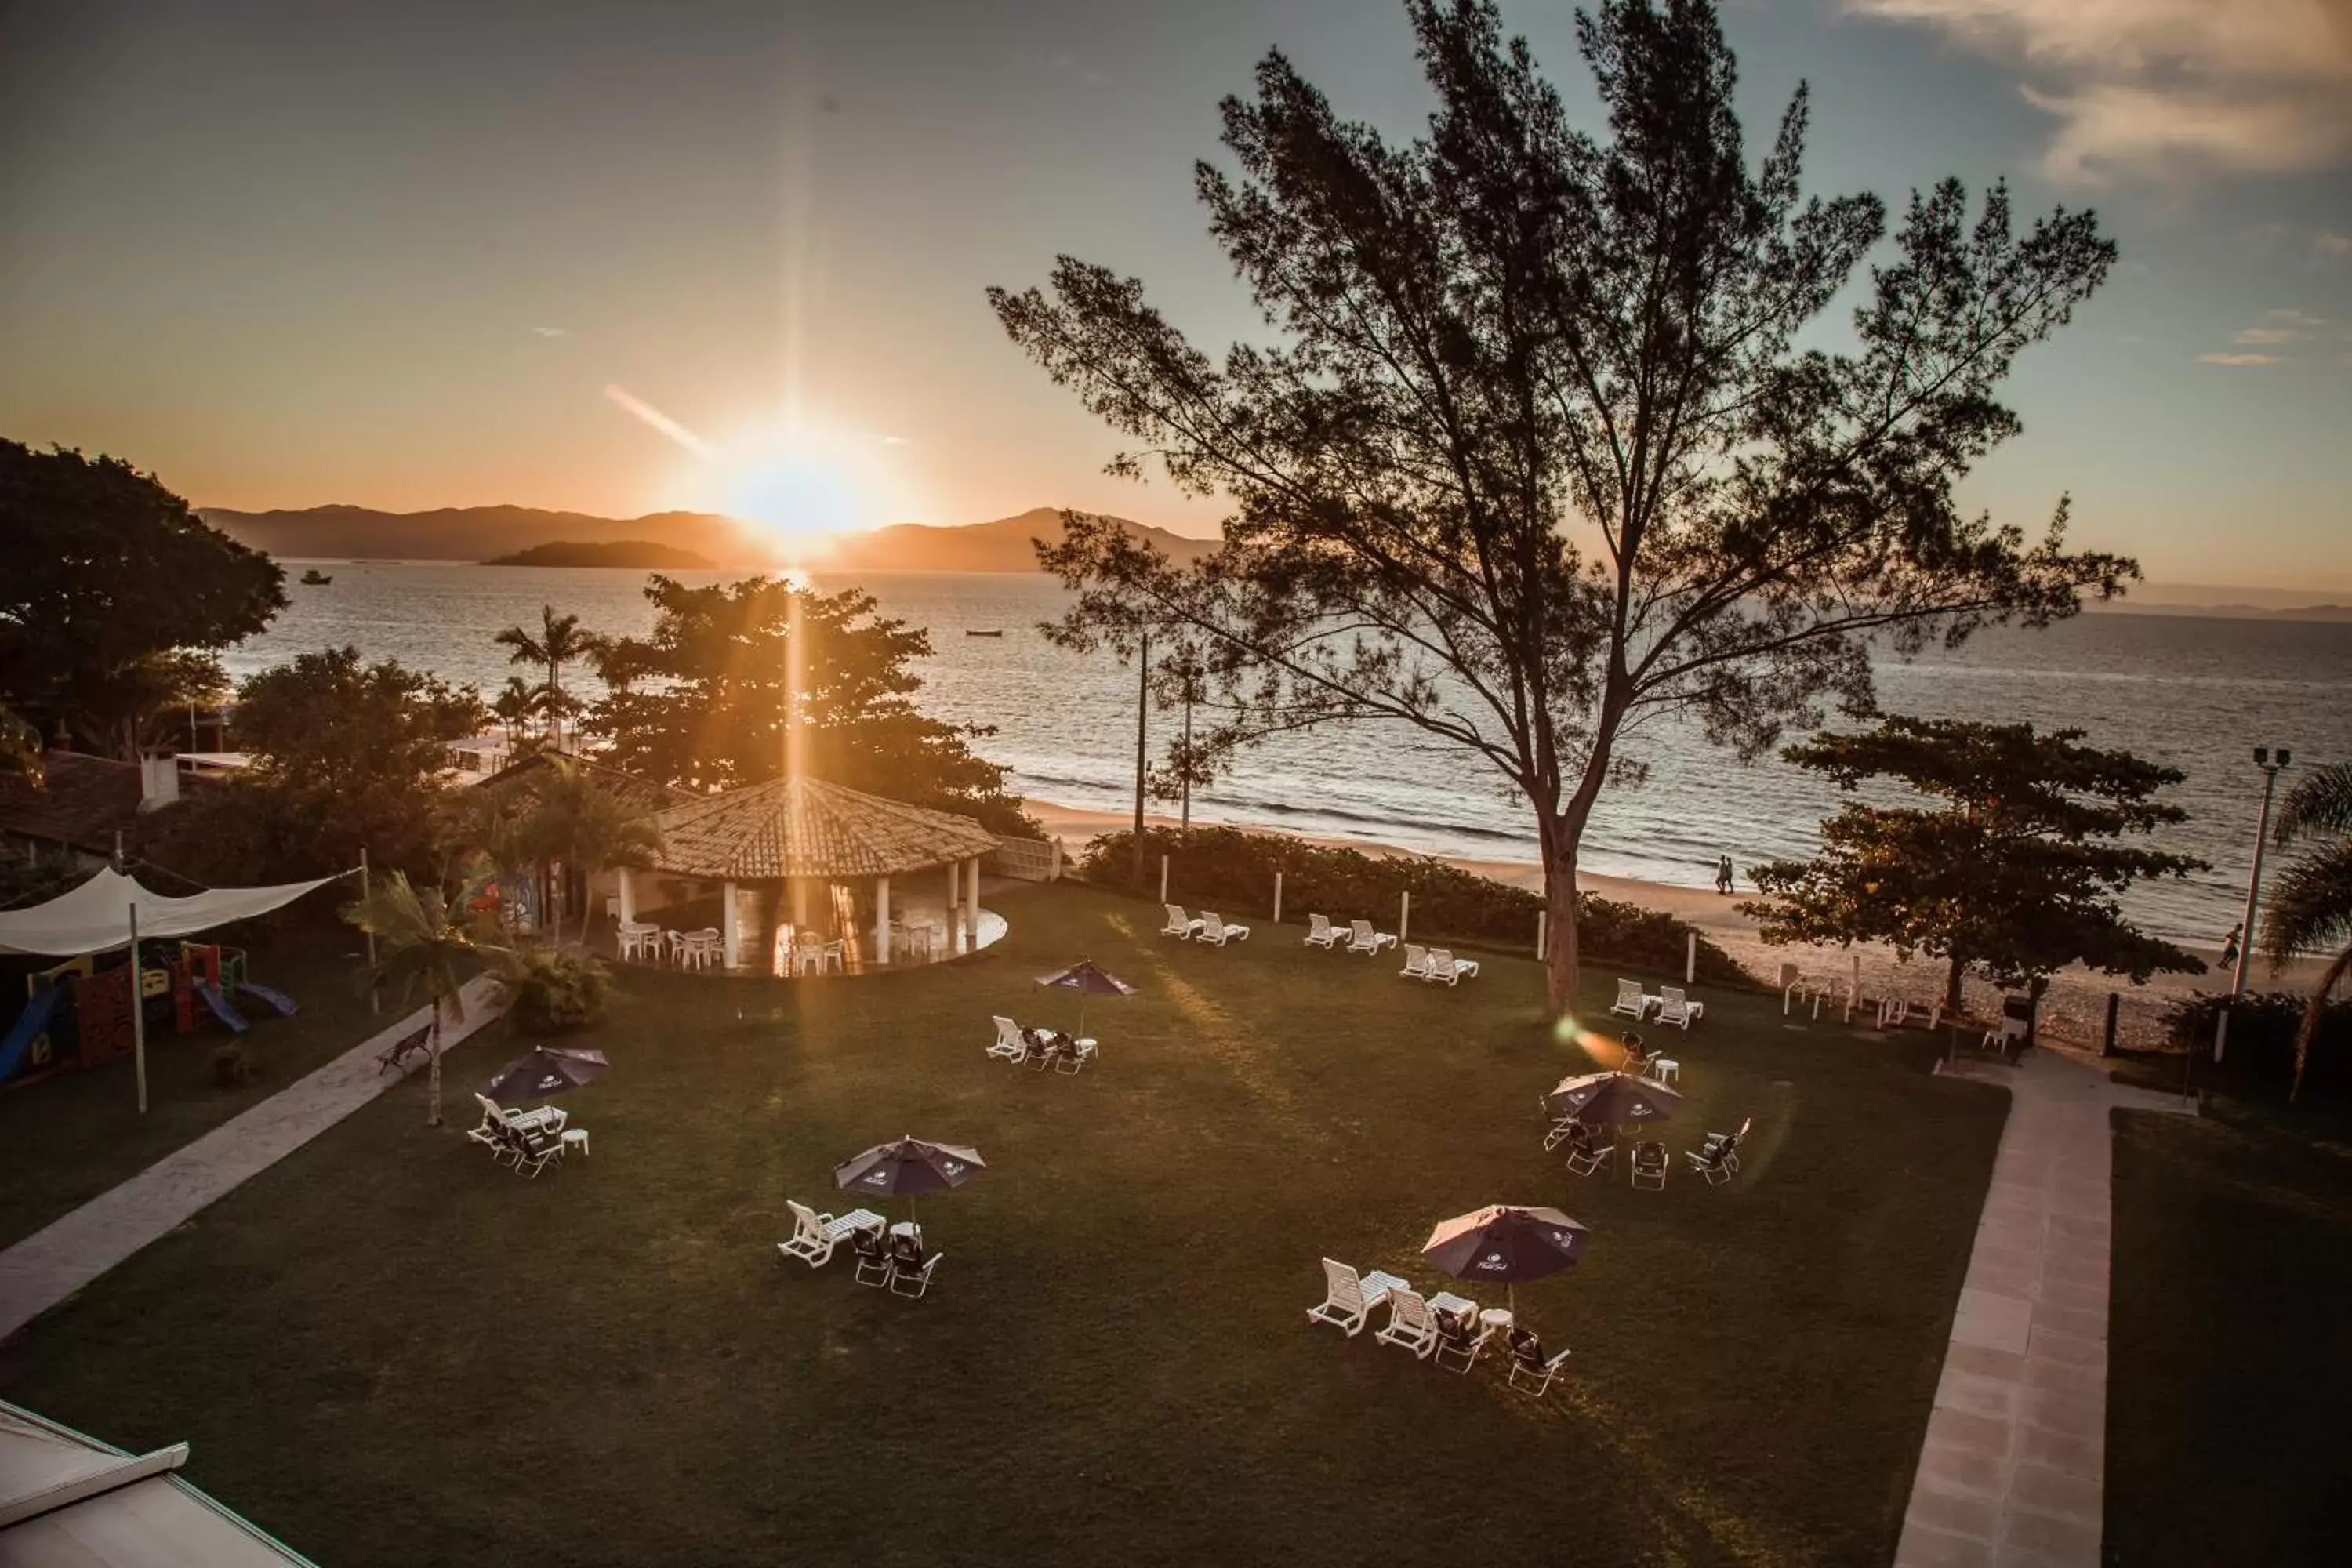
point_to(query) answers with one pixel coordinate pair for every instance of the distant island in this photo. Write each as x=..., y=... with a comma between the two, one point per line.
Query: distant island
x=637, y=555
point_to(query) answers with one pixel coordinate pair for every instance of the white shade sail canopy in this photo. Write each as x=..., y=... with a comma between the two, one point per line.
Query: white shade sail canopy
x=96, y=916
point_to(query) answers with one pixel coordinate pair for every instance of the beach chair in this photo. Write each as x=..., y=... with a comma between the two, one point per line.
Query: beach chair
x=1460, y=1337
x=1180, y=925
x=1528, y=1364
x=1445, y=966
x=1678, y=1009
x=910, y=1279
x=1075, y=1054
x=1362, y=938
x=1587, y=1154
x=1410, y=1323
x=1631, y=1001
x=815, y=1235
x=873, y=1256
x=1349, y=1297
x=492, y=1125
x=535, y=1149
x=1649, y=1166
x=1216, y=933
x=1010, y=1043
x=1416, y=961
x=1321, y=933
x=1559, y=1126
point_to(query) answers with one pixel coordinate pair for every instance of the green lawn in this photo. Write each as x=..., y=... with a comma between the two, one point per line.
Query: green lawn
x=2229, y=1344
x=66, y=1138
x=388, y=1350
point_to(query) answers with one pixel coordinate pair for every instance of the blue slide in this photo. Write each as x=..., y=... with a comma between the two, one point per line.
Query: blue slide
x=31, y=1022
x=210, y=996
x=276, y=1001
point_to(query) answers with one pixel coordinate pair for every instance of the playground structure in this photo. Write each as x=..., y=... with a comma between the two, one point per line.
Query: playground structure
x=78, y=1013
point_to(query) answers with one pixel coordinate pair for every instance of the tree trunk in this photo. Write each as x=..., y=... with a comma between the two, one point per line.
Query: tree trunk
x=432, y=1071
x=1952, y=977
x=2313, y=1012
x=1562, y=960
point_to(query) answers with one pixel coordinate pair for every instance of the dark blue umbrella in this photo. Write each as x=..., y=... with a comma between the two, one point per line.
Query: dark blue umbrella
x=908, y=1165
x=1506, y=1243
x=1087, y=980
x=550, y=1069
x=1616, y=1099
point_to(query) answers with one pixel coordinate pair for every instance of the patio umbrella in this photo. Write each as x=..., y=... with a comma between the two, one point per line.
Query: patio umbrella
x=1506, y=1243
x=1616, y=1099
x=910, y=1165
x=550, y=1069
x=1087, y=980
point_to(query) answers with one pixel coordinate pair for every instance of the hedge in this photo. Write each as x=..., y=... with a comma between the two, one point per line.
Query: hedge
x=1233, y=871
x=2260, y=1051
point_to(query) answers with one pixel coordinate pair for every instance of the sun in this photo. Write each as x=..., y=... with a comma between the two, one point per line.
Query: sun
x=802, y=487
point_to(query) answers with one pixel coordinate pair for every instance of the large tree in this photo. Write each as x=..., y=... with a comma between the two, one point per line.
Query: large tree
x=736, y=675
x=2009, y=867
x=1535, y=455
x=2310, y=905
x=114, y=596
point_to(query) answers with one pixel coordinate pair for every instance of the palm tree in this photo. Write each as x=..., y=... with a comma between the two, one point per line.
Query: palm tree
x=578, y=823
x=560, y=642
x=517, y=704
x=421, y=945
x=2310, y=905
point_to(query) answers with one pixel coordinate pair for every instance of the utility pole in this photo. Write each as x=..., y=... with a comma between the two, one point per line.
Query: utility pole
x=2253, y=890
x=1142, y=721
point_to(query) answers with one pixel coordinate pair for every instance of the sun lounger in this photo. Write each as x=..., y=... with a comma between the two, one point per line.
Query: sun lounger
x=1678, y=1009
x=1216, y=933
x=1528, y=1364
x=815, y=1235
x=1452, y=971
x=1631, y=1002
x=1362, y=938
x=1349, y=1296
x=1180, y=925
x=1010, y=1044
x=1410, y=1323
x=1416, y=961
x=1321, y=933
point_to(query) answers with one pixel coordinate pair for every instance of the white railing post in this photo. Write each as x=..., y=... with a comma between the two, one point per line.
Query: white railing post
x=1690, y=959
x=1278, y=898
x=1163, y=879
x=1404, y=915
x=1540, y=915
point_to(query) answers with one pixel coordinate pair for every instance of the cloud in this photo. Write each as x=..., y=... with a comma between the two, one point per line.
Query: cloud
x=1070, y=65
x=2174, y=88
x=623, y=398
x=552, y=331
x=2241, y=362
x=894, y=441
x=2299, y=320
x=2267, y=335
x=2329, y=243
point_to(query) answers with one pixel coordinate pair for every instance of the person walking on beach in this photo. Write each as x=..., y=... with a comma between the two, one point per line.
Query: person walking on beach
x=2229, y=946
x=1722, y=882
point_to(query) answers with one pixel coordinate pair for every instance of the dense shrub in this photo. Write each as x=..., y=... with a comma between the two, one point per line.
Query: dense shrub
x=2260, y=1051
x=1233, y=872
x=556, y=991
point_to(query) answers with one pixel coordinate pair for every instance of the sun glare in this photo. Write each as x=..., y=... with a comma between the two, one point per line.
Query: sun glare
x=803, y=487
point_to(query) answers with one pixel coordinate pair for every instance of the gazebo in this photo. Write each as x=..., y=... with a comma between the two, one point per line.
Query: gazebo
x=768, y=846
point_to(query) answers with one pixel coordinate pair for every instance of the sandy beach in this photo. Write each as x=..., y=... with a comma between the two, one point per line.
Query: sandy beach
x=2074, y=1009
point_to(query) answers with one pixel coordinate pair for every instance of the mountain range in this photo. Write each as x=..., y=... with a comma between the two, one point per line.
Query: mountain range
x=483, y=532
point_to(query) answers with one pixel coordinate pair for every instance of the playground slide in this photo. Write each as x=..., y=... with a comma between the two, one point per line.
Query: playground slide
x=275, y=1000
x=35, y=1018
x=209, y=994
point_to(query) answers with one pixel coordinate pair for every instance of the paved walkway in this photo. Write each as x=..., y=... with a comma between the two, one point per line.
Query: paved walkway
x=2012, y=1472
x=51, y=1264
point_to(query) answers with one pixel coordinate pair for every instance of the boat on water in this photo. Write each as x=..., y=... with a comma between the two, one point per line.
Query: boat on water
x=316, y=578
x=970, y=633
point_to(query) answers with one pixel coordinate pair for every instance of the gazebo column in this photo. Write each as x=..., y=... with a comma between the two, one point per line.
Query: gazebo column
x=971, y=902
x=628, y=897
x=728, y=932
x=800, y=901
x=955, y=882
x=882, y=920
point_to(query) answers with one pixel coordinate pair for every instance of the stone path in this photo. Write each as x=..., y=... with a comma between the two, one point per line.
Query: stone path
x=2012, y=1473
x=53, y=1263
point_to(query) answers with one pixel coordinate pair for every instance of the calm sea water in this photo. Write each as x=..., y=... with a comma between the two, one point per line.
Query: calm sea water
x=2195, y=693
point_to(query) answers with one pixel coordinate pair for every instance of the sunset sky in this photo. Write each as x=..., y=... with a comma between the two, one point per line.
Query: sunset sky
x=618, y=257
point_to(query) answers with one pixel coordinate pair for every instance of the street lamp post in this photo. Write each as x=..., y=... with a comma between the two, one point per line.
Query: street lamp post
x=2270, y=769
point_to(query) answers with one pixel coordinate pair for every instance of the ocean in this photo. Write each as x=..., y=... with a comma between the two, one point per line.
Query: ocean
x=2197, y=693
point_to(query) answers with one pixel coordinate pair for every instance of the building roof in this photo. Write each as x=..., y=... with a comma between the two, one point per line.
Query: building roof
x=71, y=1501
x=632, y=790
x=79, y=800
x=805, y=828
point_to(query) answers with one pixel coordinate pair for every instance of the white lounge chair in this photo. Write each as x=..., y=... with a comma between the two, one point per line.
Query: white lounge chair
x=1444, y=966
x=1010, y=1043
x=1631, y=1001
x=1180, y=925
x=1362, y=938
x=1321, y=933
x=1216, y=933
x=1676, y=1008
x=1410, y=1323
x=1416, y=961
x=1349, y=1296
x=815, y=1235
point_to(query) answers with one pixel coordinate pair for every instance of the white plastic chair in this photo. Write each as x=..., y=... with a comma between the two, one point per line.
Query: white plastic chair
x=1631, y=1001
x=1321, y=933
x=1676, y=1008
x=1349, y=1297
x=1180, y=925
x=1410, y=1323
x=1216, y=933
x=1452, y=971
x=815, y=1235
x=1011, y=1044
x=1362, y=938
x=1416, y=961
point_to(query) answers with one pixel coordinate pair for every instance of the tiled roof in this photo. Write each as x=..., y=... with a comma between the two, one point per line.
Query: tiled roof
x=79, y=800
x=804, y=827
x=633, y=790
